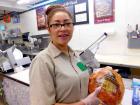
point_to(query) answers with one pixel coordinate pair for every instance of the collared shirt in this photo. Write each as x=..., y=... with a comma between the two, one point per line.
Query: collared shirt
x=56, y=78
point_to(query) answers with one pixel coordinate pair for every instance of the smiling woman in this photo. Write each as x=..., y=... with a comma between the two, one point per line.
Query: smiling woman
x=60, y=30
x=60, y=26
x=55, y=78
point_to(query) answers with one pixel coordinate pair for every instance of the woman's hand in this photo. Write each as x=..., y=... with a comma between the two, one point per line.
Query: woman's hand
x=92, y=98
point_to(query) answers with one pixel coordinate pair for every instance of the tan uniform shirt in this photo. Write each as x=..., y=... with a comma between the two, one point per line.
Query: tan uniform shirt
x=55, y=78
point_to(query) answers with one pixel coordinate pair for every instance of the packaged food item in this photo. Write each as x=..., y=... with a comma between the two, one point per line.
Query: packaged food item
x=112, y=87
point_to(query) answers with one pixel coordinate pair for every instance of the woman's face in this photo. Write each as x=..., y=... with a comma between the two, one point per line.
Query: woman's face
x=60, y=28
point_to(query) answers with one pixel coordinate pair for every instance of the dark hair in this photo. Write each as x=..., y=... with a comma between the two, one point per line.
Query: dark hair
x=51, y=10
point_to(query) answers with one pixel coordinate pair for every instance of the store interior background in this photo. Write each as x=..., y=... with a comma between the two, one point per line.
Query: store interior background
x=126, y=12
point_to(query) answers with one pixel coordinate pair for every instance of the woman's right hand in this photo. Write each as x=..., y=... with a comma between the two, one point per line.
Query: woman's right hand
x=92, y=98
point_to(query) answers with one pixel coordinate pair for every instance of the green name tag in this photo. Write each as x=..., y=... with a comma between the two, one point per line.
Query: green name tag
x=81, y=66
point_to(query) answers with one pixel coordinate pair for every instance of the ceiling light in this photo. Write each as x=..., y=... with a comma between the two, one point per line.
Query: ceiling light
x=23, y=2
x=26, y=1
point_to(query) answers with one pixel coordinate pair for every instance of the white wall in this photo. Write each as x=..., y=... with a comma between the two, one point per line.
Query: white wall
x=126, y=12
x=29, y=23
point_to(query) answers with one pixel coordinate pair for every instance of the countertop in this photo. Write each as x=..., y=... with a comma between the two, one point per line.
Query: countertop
x=127, y=99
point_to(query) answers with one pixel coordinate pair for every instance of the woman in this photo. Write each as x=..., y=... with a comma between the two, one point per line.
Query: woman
x=55, y=79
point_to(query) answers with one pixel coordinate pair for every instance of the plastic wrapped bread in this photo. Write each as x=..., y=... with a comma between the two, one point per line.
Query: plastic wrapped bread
x=112, y=87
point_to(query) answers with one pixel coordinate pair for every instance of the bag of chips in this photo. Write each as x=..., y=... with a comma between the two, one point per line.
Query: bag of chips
x=112, y=87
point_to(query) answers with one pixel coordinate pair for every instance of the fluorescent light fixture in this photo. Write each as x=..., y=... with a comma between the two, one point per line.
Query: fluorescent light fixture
x=22, y=2
x=30, y=2
x=44, y=3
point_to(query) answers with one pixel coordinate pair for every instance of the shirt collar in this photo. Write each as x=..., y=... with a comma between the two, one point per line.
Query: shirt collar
x=54, y=51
